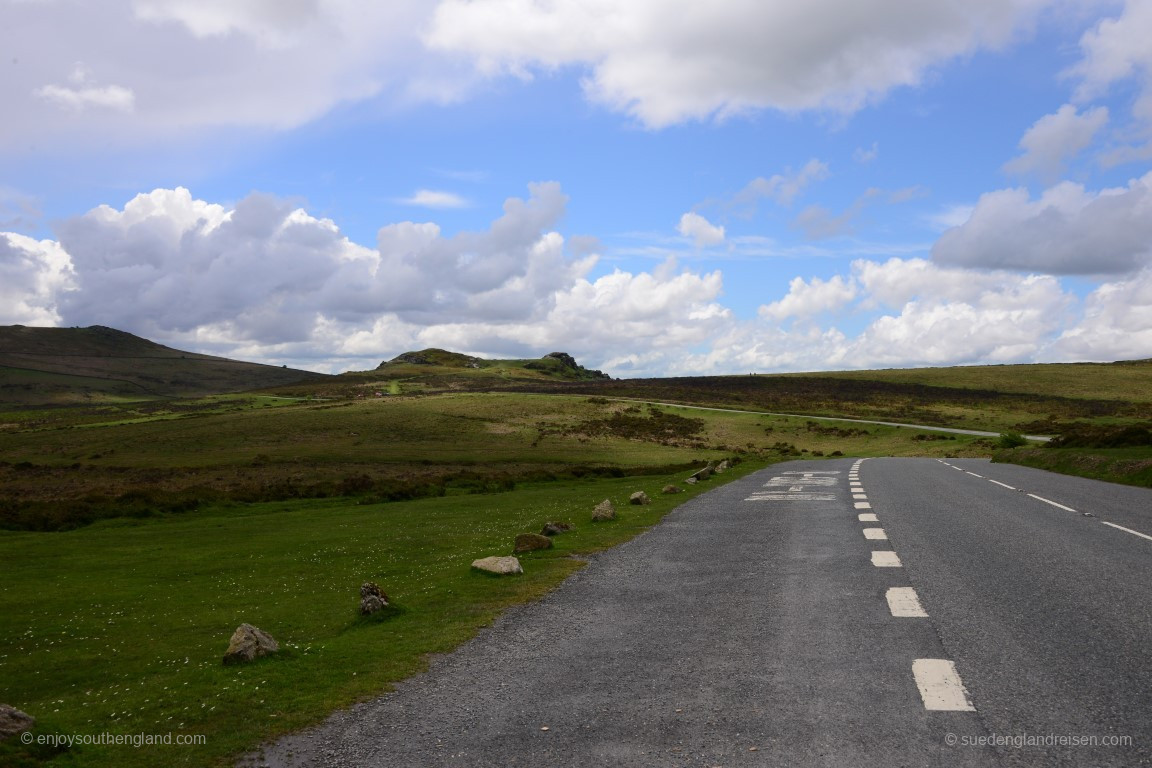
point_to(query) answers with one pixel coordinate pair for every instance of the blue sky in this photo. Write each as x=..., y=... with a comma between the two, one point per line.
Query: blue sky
x=658, y=187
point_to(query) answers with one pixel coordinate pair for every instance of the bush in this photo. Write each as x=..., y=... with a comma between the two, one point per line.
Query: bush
x=1012, y=440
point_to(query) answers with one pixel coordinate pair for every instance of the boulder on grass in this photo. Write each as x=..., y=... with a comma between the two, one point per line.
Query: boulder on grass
x=672, y=489
x=249, y=643
x=530, y=542
x=691, y=481
x=639, y=498
x=723, y=466
x=554, y=529
x=372, y=598
x=13, y=721
x=604, y=512
x=501, y=566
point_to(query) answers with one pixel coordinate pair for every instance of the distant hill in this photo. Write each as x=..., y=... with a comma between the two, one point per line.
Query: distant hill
x=71, y=365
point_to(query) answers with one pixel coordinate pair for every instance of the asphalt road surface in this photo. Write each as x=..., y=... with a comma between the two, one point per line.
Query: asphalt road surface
x=884, y=612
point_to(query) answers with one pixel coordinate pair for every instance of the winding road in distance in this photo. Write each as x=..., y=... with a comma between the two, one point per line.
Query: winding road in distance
x=877, y=612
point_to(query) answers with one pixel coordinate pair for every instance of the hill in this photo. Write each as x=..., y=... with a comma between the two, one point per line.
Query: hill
x=99, y=364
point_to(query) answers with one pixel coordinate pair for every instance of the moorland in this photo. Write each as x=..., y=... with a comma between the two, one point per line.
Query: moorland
x=151, y=500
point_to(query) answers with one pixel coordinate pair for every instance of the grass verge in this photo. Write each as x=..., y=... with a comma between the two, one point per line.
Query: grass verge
x=119, y=628
x=1129, y=466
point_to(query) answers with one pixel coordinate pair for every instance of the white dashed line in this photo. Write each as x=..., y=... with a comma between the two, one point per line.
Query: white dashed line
x=1004, y=485
x=886, y=560
x=1053, y=503
x=903, y=603
x=876, y=534
x=863, y=505
x=976, y=475
x=940, y=686
x=867, y=517
x=1128, y=530
x=860, y=496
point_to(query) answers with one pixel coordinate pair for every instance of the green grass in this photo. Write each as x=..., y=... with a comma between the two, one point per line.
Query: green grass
x=1130, y=466
x=120, y=627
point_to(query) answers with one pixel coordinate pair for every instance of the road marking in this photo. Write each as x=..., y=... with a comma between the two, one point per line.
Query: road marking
x=1009, y=487
x=859, y=495
x=1053, y=503
x=876, y=534
x=903, y=603
x=855, y=482
x=882, y=559
x=867, y=517
x=940, y=686
x=784, y=496
x=862, y=505
x=1128, y=530
x=976, y=475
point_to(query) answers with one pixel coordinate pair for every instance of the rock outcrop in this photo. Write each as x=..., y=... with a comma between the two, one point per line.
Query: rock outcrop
x=639, y=498
x=554, y=529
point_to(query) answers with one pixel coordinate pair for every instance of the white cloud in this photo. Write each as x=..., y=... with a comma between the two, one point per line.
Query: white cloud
x=702, y=231
x=84, y=93
x=1055, y=139
x=1117, y=323
x=783, y=188
x=1068, y=230
x=666, y=61
x=163, y=70
x=806, y=299
x=865, y=156
x=32, y=273
x=433, y=198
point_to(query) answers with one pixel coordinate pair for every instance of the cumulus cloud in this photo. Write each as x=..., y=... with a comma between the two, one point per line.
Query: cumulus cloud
x=32, y=273
x=1055, y=139
x=809, y=298
x=702, y=231
x=1068, y=230
x=668, y=61
x=1117, y=323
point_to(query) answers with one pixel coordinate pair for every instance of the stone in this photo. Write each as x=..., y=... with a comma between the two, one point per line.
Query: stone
x=723, y=466
x=705, y=473
x=249, y=643
x=530, y=542
x=672, y=489
x=13, y=721
x=604, y=512
x=501, y=566
x=691, y=481
x=555, y=529
x=372, y=598
x=639, y=498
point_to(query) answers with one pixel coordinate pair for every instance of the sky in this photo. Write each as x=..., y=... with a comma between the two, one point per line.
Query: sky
x=657, y=187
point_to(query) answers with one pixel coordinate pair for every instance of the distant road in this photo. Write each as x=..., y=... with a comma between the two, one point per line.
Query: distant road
x=1040, y=438
x=816, y=613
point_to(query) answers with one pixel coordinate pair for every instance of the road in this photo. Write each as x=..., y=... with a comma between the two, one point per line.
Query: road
x=952, y=430
x=894, y=612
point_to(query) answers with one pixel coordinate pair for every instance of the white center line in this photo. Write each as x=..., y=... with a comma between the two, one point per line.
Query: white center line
x=859, y=495
x=863, y=505
x=976, y=475
x=1009, y=487
x=903, y=603
x=882, y=559
x=1128, y=530
x=875, y=533
x=1049, y=501
x=940, y=686
x=867, y=517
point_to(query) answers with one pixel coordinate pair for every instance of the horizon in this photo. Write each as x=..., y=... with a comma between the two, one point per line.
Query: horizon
x=739, y=188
